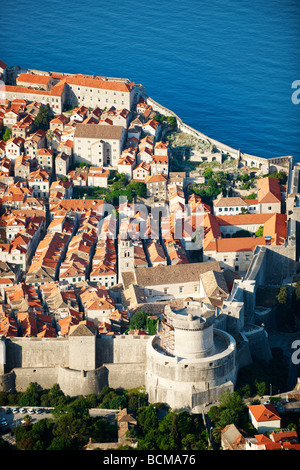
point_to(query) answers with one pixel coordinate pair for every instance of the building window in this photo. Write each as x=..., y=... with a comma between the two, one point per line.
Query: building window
x=180, y=290
x=165, y=290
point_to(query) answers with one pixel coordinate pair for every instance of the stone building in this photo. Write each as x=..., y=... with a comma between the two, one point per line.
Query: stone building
x=200, y=367
x=98, y=145
x=98, y=91
x=164, y=283
x=62, y=164
x=190, y=363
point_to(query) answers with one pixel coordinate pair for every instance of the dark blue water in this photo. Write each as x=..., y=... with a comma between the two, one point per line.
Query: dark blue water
x=226, y=67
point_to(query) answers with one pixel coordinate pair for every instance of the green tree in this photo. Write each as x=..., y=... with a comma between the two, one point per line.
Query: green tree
x=60, y=443
x=31, y=396
x=3, y=398
x=147, y=419
x=214, y=413
x=138, y=321
x=27, y=420
x=171, y=120
x=136, y=400
x=260, y=231
x=50, y=135
x=261, y=388
x=228, y=416
x=232, y=401
x=7, y=134
x=297, y=290
x=208, y=173
x=241, y=234
x=72, y=429
x=281, y=176
x=41, y=432
x=151, y=326
x=189, y=442
x=103, y=431
x=282, y=295
x=43, y=118
x=251, y=196
x=244, y=177
x=138, y=187
x=245, y=391
x=118, y=402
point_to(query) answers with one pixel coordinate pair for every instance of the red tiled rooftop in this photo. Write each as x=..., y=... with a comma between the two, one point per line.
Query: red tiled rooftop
x=264, y=413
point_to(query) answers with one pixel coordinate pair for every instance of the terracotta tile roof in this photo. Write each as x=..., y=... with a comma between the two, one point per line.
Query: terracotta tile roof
x=263, y=441
x=251, y=201
x=34, y=78
x=151, y=123
x=268, y=190
x=156, y=178
x=9, y=327
x=234, y=436
x=282, y=436
x=44, y=151
x=61, y=119
x=18, y=141
x=87, y=131
x=162, y=145
x=56, y=90
x=173, y=274
x=78, y=205
x=99, y=172
x=160, y=159
x=97, y=82
x=195, y=202
x=126, y=160
x=156, y=252
x=40, y=173
x=229, y=201
x=143, y=165
x=238, y=244
x=243, y=219
x=263, y=413
x=274, y=227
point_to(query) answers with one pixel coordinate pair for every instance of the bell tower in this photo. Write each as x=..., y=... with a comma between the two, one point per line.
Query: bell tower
x=125, y=256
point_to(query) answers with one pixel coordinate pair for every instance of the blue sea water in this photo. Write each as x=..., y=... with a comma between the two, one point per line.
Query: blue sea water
x=226, y=67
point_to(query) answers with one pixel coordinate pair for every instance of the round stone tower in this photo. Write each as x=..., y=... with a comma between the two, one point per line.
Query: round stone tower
x=190, y=362
x=193, y=333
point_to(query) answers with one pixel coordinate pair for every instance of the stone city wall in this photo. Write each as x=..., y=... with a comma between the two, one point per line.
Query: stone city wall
x=120, y=362
x=121, y=349
x=190, y=130
x=266, y=165
x=36, y=352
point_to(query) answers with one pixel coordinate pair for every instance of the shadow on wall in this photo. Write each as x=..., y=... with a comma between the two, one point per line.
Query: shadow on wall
x=13, y=355
x=280, y=264
x=104, y=350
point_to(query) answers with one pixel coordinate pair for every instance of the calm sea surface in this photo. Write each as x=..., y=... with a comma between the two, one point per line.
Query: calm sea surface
x=226, y=67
